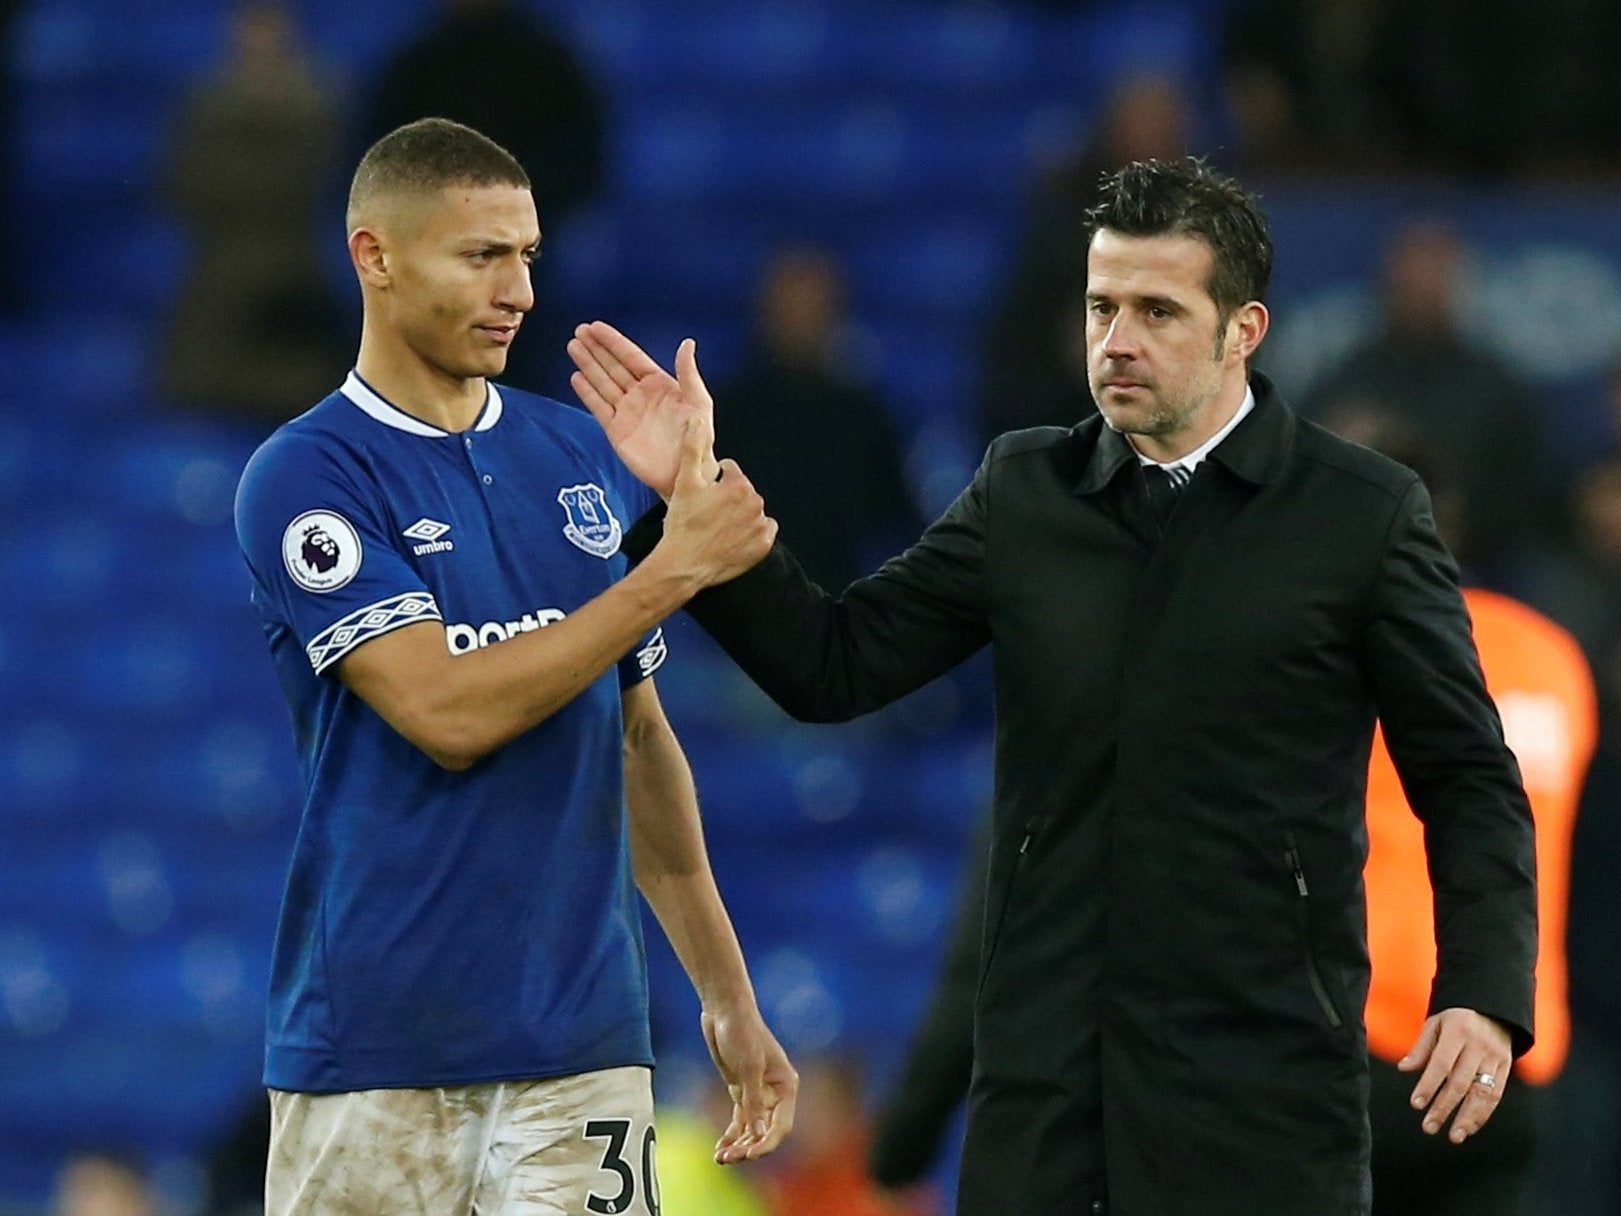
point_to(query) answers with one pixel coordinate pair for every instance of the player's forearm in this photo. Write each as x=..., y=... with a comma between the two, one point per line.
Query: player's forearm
x=460, y=708
x=672, y=868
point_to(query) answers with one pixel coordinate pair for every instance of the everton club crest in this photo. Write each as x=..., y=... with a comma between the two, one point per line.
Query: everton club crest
x=591, y=525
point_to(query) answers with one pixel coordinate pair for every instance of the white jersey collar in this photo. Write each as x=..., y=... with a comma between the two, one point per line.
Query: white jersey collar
x=374, y=404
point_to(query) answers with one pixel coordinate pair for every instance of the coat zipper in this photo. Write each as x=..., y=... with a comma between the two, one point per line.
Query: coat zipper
x=1291, y=855
x=1032, y=826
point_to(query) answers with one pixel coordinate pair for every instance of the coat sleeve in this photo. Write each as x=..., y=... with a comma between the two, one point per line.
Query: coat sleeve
x=1458, y=774
x=826, y=658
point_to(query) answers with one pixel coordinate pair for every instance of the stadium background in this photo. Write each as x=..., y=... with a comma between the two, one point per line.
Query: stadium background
x=147, y=783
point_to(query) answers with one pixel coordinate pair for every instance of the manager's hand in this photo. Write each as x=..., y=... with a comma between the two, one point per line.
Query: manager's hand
x=1466, y=1058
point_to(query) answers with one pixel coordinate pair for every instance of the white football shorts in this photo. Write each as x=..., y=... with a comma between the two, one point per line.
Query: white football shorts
x=568, y=1146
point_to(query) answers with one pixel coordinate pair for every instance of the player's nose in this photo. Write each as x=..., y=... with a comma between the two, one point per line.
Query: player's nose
x=517, y=290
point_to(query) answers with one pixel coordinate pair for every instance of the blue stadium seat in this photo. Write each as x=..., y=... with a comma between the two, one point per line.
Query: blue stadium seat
x=962, y=50
x=88, y=43
x=929, y=370
x=940, y=272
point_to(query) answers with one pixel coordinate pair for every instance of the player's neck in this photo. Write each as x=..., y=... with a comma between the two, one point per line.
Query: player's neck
x=409, y=383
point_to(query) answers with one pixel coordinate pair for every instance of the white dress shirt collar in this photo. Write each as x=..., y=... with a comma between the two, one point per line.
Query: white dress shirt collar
x=1192, y=459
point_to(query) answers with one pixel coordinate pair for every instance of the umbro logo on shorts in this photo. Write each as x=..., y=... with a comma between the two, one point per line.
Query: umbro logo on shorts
x=429, y=532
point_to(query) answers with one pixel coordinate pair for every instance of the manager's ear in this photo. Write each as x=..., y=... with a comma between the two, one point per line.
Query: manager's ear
x=1245, y=329
x=369, y=257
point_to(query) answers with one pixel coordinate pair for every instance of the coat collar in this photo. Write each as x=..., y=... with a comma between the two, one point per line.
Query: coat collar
x=1255, y=451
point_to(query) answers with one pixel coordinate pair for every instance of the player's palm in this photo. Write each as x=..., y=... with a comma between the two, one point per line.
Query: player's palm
x=642, y=409
x=646, y=430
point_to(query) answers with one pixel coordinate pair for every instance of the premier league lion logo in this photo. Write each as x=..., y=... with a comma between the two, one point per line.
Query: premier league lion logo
x=591, y=524
x=320, y=551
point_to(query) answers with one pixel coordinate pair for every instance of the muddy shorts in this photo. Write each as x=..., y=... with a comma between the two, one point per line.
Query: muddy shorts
x=569, y=1146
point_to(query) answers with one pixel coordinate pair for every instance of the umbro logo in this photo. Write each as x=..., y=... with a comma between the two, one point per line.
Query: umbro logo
x=429, y=531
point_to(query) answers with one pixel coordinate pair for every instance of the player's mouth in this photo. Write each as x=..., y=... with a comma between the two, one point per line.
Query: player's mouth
x=501, y=334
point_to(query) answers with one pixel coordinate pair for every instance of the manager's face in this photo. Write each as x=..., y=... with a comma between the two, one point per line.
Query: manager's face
x=459, y=271
x=1157, y=351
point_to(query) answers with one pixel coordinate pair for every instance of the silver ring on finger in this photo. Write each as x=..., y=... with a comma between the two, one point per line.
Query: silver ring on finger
x=1486, y=1079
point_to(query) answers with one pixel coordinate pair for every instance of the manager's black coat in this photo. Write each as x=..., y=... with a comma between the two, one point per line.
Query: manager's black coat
x=1174, y=964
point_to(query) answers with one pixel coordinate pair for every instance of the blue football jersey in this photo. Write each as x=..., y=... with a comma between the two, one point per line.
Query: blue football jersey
x=444, y=928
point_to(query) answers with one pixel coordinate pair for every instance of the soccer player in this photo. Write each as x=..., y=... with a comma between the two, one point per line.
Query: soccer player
x=458, y=1004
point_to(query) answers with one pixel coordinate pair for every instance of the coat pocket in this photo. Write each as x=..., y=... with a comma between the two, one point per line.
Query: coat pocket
x=1032, y=828
x=1314, y=973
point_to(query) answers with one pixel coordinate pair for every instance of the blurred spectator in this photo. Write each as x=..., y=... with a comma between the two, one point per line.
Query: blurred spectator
x=494, y=66
x=1582, y=1172
x=1544, y=692
x=102, y=1184
x=1555, y=1144
x=1425, y=85
x=1580, y=585
x=1453, y=394
x=1582, y=589
x=821, y=1170
x=1035, y=357
x=795, y=411
x=1579, y=582
x=257, y=331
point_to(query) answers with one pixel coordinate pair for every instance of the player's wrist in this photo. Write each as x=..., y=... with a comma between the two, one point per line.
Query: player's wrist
x=663, y=581
x=728, y=998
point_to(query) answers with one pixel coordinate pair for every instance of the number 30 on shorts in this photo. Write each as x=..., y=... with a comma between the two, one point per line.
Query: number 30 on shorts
x=617, y=1134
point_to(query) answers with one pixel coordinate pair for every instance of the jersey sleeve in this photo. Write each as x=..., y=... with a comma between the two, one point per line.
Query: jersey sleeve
x=650, y=654
x=323, y=559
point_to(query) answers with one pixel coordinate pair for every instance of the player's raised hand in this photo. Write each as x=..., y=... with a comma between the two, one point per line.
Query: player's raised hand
x=763, y=1084
x=640, y=406
x=716, y=527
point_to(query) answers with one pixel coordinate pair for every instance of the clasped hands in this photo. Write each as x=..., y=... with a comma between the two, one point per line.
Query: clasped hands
x=662, y=428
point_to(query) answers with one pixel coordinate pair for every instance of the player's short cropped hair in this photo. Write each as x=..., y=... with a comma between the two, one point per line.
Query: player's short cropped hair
x=1185, y=197
x=427, y=155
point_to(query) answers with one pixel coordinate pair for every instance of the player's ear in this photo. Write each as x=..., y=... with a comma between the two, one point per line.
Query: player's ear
x=369, y=258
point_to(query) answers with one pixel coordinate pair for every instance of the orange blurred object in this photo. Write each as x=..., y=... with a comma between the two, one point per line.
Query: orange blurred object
x=1544, y=692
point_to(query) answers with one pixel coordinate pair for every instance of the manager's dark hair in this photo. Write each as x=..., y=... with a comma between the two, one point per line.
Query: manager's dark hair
x=1186, y=197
